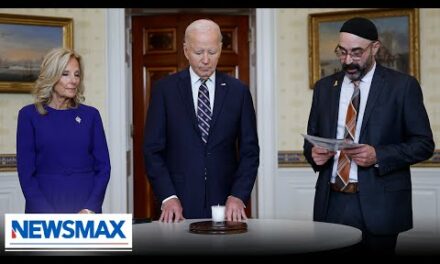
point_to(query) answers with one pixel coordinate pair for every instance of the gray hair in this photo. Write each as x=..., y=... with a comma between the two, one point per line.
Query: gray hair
x=203, y=25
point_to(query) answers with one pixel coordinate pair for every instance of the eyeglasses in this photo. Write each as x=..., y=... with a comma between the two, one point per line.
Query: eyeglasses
x=355, y=54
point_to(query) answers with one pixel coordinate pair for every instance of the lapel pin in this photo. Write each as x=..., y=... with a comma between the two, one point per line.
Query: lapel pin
x=336, y=83
x=78, y=119
x=223, y=84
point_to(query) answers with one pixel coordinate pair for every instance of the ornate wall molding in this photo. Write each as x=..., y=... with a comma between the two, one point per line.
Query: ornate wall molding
x=8, y=162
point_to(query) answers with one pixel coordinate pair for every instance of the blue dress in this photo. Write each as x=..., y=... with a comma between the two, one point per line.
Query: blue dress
x=62, y=159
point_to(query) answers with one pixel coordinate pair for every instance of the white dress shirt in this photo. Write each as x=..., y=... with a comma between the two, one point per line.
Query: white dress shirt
x=195, y=85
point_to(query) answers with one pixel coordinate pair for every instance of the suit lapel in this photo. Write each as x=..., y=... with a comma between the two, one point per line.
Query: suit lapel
x=186, y=95
x=221, y=88
x=375, y=90
x=335, y=93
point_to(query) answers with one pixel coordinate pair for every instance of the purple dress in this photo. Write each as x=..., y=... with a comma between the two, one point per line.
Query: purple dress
x=62, y=159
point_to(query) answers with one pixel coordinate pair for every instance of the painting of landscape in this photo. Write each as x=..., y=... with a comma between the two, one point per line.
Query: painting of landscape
x=24, y=40
x=23, y=48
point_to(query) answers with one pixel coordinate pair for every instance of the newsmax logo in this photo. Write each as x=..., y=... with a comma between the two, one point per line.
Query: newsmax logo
x=109, y=232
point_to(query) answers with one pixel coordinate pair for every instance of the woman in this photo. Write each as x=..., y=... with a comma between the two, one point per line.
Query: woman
x=62, y=156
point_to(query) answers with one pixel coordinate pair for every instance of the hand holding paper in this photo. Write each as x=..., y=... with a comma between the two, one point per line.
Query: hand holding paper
x=331, y=144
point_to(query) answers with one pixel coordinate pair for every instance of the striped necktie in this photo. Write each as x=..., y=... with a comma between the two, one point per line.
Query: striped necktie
x=204, y=110
x=343, y=170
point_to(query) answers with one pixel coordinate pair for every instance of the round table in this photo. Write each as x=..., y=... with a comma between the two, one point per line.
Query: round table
x=263, y=237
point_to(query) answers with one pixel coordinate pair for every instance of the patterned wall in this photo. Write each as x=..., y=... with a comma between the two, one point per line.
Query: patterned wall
x=89, y=41
x=294, y=95
x=430, y=67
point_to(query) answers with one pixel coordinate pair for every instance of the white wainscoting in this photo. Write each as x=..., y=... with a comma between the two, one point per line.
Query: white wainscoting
x=426, y=201
x=11, y=196
x=295, y=189
x=424, y=238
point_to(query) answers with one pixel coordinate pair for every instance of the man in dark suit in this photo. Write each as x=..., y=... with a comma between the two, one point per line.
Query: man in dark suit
x=393, y=129
x=200, y=143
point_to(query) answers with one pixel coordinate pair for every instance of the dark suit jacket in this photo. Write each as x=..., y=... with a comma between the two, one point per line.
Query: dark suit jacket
x=178, y=162
x=396, y=124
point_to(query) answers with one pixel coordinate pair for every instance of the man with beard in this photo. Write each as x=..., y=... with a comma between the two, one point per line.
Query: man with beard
x=368, y=187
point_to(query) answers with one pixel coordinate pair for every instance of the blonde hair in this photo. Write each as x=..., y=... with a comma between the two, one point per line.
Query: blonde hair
x=52, y=67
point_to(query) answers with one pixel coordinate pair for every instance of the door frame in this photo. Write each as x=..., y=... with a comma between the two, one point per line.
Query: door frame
x=118, y=138
x=262, y=84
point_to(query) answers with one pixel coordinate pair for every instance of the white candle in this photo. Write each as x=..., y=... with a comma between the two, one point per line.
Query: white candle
x=218, y=213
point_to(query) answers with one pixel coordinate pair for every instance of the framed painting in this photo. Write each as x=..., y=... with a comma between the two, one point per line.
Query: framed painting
x=398, y=33
x=24, y=42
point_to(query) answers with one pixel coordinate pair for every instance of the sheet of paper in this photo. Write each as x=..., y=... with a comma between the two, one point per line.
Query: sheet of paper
x=331, y=143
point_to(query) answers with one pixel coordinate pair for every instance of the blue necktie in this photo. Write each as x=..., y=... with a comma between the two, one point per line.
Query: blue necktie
x=204, y=110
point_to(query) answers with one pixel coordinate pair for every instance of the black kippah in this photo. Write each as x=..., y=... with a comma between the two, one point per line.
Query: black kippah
x=361, y=27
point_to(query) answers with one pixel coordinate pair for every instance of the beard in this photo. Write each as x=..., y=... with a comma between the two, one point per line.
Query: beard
x=355, y=72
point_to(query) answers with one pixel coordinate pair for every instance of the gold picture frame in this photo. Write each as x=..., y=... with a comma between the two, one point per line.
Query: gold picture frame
x=398, y=32
x=25, y=40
